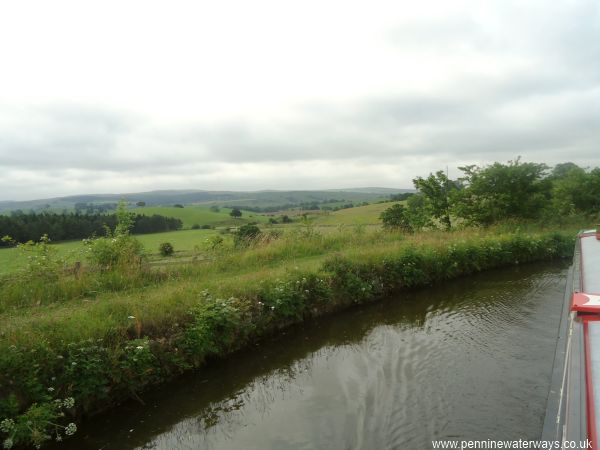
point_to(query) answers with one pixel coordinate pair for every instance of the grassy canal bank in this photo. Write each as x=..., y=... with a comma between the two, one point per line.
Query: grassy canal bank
x=76, y=342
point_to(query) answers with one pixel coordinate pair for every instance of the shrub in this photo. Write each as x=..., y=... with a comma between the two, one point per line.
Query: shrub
x=215, y=242
x=214, y=327
x=396, y=218
x=246, y=235
x=118, y=248
x=195, y=227
x=166, y=249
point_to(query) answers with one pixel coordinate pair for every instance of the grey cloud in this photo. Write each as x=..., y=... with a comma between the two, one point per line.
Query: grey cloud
x=547, y=110
x=378, y=129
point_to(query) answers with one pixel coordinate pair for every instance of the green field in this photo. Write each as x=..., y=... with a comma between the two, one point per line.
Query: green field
x=185, y=241
x=200, y=215
x=359, y=215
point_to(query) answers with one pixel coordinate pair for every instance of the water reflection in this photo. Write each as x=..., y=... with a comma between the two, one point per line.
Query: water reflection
x=470, y=359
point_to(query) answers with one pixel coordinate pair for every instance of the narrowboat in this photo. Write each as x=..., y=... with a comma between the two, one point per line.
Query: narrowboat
x=573, y=408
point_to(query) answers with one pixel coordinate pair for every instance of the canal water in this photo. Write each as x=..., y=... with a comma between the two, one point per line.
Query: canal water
x=469, y=359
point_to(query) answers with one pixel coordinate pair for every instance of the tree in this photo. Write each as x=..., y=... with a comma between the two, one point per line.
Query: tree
x=569, y=189
x=235, y=213
x=396, y=218
x=502, y=191
x=436, y=191
x=417, y=213
x=140, y=204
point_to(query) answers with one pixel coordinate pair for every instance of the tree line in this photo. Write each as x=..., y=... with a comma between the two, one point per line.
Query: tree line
x=486, y=195
x=59, y=227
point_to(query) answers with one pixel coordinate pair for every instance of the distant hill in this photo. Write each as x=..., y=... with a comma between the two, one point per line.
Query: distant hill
x=259, y=199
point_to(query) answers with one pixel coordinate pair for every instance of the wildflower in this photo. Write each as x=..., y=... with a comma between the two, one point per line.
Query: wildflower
x=139, y=347
x=50, y=389
x=131, y=317
x=272, y=307
x=70, y=429
x=8, y=443
x=6, y=425
x=58, y=438
x=69, y=402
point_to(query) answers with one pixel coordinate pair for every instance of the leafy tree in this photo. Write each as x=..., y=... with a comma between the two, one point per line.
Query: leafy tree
x=564, y=169
x=140, y=204
x=569, y=189
x=577, y=192
x=417, y=212
x=396, y=218
x=436, y=190
x=401, y=196
x=215, y=208
x=501, y=191
x=235, y=213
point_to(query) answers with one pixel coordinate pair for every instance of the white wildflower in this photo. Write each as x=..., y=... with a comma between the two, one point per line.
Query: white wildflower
x=7, y=425
x=70, y=429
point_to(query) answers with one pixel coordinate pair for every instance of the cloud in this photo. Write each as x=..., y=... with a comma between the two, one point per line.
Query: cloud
x=368, y=98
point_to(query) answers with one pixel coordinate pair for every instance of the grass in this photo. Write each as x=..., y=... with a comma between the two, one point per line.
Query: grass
x=359, y=215
x=225, y=271
x=184, y=242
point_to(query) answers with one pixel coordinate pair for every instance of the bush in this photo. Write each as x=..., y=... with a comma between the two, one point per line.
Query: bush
x=166, y=249
x=108, y=253
x=195, y=227
x=118, y=248
x=246, y=235
x=396, y=218
x=215, y=242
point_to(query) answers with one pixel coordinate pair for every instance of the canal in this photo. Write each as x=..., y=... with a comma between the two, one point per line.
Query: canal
x=469, y=359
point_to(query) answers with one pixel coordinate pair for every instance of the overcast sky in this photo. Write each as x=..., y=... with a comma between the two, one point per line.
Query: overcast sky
x=126, y=96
